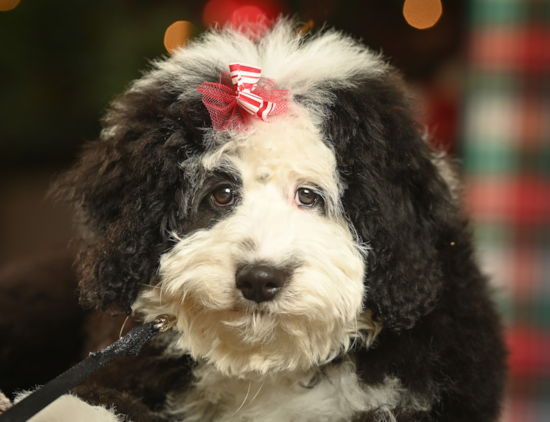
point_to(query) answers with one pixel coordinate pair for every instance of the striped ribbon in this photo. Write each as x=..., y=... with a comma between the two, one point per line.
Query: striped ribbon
x=240, y=95
x=244, y=78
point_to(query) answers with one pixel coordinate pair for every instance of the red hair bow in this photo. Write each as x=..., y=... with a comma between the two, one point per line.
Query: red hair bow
x=241, y=95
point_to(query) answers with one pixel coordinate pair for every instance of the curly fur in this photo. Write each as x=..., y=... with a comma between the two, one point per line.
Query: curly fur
x=384, y=314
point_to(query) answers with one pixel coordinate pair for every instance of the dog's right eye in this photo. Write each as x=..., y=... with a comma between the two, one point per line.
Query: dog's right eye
x=306, y=197
x=223, y=196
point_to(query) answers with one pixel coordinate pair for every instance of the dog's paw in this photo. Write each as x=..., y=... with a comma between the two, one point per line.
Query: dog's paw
x=69, y=408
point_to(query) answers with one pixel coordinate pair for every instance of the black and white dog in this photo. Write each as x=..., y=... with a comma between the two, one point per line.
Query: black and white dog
x=317, y=260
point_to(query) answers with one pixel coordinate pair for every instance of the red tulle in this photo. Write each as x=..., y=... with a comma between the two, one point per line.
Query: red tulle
x=221, y=101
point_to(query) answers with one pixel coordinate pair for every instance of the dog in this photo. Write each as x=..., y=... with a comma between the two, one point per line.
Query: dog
x=312, y=249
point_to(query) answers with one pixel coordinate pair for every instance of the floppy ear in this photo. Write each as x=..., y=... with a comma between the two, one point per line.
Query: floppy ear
x=395, y=198
x=128, y=188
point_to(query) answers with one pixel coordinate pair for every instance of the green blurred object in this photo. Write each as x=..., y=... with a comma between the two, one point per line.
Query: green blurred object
x=62, y=62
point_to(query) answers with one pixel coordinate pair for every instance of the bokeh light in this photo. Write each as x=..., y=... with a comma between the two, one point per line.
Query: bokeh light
x=422, y=14
x=177, y=35
x=6, y=5
x=238, y=12
x=248, y=13
x=218, y=11
x=308, y=26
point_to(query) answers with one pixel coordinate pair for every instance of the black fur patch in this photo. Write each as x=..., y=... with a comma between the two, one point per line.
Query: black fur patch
x=130, y=189
x=421, y=262
x=395, y=199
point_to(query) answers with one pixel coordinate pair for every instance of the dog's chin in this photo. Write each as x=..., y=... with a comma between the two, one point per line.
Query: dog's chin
x=266, y=343
x=243, y=342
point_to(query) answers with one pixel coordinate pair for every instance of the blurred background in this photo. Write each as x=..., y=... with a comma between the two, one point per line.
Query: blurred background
x=480, y=70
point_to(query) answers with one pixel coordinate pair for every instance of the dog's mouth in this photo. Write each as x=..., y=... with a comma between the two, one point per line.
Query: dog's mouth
x=249, y=310
x=238, y=315
x=245, y=329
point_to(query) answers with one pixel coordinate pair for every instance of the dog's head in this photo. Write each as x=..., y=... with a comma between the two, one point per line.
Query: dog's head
x=277, y=246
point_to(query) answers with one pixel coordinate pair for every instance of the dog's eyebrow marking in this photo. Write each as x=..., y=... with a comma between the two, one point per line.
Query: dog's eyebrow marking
x=263, y=178
x=263, y=174
x=247, y=245
x=231, y=174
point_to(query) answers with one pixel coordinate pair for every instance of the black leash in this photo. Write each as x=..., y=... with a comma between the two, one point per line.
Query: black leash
x=129, y=345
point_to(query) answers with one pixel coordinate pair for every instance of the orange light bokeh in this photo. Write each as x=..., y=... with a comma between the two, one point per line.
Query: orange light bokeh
x=6, y=5
x=177, y=35
x=308, y=26
x=422, y=14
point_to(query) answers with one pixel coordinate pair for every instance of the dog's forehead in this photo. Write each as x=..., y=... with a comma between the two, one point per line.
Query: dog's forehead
x=286, y=150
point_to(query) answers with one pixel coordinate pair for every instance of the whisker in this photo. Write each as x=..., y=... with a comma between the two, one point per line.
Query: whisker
x=148, y=285
x=257, y=392
x=356, y=334
x=244, y=401
x=122, y=328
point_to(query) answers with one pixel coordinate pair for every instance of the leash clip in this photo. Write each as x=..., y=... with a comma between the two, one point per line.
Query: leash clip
x=164, y=322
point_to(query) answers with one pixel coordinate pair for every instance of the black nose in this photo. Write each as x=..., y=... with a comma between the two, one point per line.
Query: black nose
x=260, y=283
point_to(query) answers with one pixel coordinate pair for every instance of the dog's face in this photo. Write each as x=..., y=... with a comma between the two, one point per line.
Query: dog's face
x=273, y=247
x=267, y=275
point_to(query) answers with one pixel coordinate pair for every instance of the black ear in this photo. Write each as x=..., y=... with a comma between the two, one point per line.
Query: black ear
x=128, y=188
x=395, y=198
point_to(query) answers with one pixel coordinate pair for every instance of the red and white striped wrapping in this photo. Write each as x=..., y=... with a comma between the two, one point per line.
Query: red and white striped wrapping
x=244, y=77
x=254, y=104
x=242, y=89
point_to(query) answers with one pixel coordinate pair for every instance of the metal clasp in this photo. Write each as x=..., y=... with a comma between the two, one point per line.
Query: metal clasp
x=164, y=322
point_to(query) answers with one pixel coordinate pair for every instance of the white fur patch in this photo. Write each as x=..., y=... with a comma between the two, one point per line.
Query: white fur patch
x=333, y=394
x=282, y=54
x=69, y=408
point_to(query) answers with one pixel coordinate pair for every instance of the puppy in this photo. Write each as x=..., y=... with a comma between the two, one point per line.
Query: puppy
x=310, y=244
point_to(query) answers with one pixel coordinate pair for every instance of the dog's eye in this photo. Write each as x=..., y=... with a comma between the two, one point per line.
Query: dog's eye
x=223, y=196
x=306, y=197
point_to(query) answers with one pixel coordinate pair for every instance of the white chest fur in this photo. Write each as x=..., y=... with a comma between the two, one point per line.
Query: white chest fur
x=331, y=395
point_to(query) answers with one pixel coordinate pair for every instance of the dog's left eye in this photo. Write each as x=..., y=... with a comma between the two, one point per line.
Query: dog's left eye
x=223, y=196
x=306, y=197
